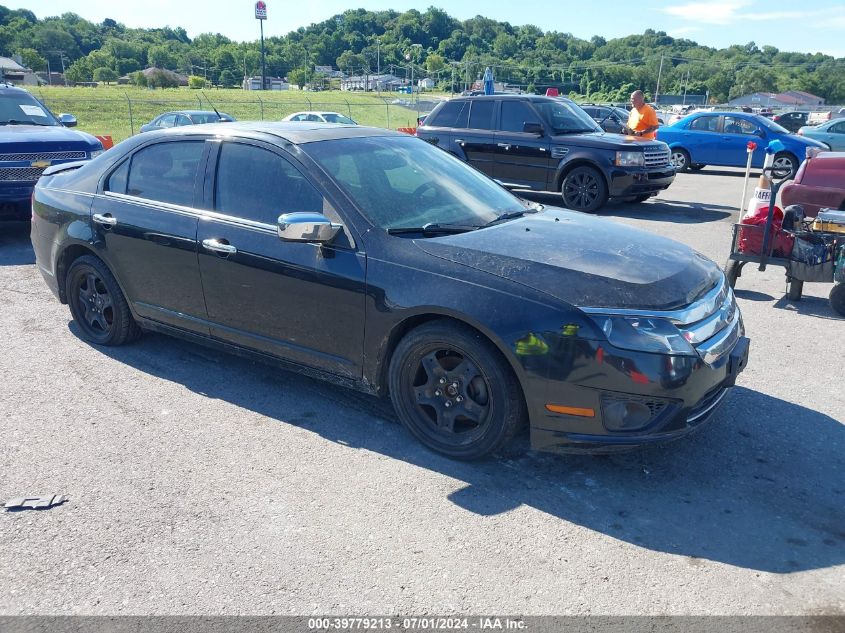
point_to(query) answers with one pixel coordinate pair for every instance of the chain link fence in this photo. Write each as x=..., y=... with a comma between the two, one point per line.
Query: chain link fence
x=109, y=114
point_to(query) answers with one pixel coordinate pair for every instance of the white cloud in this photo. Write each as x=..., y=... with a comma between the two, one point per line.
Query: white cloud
x=707, y=12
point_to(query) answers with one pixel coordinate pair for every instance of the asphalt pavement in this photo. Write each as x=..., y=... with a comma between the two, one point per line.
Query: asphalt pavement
x=202, y=483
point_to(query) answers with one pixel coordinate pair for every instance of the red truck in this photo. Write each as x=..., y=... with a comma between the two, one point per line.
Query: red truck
x=819, y=184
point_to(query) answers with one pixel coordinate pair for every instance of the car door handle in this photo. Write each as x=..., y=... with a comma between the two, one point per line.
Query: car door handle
x=459, y=141
x=219, y=247
x=104, y=219
x=504, y=145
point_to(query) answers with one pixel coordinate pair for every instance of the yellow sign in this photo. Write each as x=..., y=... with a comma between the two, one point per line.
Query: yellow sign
x=41, y=164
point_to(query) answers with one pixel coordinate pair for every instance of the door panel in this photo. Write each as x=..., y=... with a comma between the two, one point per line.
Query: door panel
x=299, y=301
x=521, y=159
x=150, y=241
x=477, y=143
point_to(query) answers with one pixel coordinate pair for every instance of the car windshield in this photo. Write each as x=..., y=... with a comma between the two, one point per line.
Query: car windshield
x=22, y=109
x=404, y=182
x=566, y=118
x=331, y=117
x=768, y=123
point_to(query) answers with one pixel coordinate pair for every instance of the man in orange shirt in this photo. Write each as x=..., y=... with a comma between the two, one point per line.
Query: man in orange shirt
x=643, y=119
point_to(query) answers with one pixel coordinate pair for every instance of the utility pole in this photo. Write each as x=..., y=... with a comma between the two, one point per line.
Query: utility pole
x=657, y=90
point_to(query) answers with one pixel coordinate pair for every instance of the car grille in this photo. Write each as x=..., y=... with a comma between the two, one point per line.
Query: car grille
x=77, y=155
x=22, y=174
x=656, y=156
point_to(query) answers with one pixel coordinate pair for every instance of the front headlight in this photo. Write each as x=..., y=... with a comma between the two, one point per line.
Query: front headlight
x=643, y=334
x=630, y=159
x=96, y=153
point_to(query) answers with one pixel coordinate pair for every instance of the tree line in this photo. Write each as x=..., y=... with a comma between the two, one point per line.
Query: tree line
x=431, y=43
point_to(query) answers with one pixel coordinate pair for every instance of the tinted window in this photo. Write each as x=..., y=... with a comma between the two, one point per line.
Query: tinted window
x=118, y=178
x=166, y=172
x=481, y=115
x=515, y=114
x=452, y=114
x=704, y=124
x=256, y=184
x=837, y=128
x=593, y=112
x=167, y=121
x=182, y=120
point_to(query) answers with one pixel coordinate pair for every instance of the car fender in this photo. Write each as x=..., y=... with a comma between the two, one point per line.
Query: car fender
x=577, y=157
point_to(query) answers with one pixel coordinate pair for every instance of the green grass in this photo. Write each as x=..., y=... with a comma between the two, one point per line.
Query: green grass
x=105, y=110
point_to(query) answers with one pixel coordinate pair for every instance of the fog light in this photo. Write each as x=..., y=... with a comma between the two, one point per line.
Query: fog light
x=621, y=413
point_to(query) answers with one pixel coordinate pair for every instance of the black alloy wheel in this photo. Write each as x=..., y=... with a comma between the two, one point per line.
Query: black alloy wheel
x=453, y=392
x=584, y=189
x=97, y=303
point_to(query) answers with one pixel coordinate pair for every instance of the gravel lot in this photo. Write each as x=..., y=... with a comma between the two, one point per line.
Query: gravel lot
x=203, y=483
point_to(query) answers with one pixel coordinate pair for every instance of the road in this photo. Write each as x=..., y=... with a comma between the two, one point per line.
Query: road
x=204, y=483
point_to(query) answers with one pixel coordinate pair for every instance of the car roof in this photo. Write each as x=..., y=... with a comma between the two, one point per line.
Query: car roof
x=296, y=132
x=515, y=97
x=190, y=112
x=6, y=87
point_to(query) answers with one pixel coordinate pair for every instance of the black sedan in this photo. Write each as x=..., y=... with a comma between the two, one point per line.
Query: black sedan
x=372, y=259
x=186, y=117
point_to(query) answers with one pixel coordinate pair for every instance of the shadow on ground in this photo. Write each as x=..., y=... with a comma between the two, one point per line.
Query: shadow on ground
x=761, y=487
x=809, y=306
x=655, y=209
x=15, y=247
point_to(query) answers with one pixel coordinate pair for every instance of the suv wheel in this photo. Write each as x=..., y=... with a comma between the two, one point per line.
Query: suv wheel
x=584, y=189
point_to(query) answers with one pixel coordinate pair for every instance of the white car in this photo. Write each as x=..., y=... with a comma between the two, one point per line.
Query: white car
x=320, y=117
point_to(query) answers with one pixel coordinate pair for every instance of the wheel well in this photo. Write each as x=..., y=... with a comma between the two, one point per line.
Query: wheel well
x=580, y=163
x=68, y=256
x=399, y=332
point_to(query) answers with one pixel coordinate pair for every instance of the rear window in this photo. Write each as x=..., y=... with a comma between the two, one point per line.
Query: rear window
x=452, y=114
x=165, y=172
x=481, y=115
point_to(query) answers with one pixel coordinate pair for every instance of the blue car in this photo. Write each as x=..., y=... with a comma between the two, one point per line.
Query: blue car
x=721, y=138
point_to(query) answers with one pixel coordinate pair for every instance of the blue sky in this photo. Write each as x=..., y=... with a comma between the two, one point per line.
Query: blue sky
x=808, y=27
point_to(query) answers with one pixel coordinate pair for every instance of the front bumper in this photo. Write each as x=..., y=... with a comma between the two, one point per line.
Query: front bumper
x=632, y=183
x=681, y=393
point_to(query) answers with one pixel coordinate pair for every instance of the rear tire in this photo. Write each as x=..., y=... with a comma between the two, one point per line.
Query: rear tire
x=584, y=189
x=837, y=298
x=795, y=289
x=97, y=303
x=444, y=362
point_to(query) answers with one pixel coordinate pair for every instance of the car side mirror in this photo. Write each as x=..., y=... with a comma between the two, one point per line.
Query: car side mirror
x=68, y=120
x=306, y=227
x=533, y=128
x=760, y=133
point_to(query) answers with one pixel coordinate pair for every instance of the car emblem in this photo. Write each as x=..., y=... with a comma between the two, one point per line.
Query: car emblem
x=41, y=164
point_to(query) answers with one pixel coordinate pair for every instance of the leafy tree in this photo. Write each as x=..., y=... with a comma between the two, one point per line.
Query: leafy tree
x=196, y=82
x=298, y=77
x=106, y=75
x=139, y=79
x=159, y=78
x=228, y=79
x=31, y=59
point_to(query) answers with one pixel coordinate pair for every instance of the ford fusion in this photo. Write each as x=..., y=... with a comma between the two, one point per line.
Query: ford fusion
x=377, y=261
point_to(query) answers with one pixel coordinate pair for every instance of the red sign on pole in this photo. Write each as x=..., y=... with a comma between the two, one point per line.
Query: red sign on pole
x=260, y=10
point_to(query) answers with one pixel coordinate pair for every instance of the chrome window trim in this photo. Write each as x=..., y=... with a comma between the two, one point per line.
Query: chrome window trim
x=695, y=312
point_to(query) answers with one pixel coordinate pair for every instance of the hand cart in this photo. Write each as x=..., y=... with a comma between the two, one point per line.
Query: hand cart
x=813, y=255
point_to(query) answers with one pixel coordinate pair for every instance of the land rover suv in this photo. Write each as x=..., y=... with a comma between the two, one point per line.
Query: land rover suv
x=549, y=144
x=32, y=139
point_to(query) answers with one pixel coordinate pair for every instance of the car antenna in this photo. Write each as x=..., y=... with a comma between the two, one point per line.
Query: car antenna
x=211, y=104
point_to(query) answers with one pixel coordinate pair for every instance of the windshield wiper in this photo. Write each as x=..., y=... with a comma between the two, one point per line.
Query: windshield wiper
x=434, y=229
x=510, y=215
x=16, y=122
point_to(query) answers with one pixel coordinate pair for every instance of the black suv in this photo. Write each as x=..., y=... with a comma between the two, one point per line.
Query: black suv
x=548, y=144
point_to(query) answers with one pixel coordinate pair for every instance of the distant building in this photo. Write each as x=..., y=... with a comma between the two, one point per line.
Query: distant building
x=426, y=84
x=182, y=79
x=372, y=82
x=273, y=83
x=789, y=99
x=12, y=72
x=329, y=72
x=51, y=79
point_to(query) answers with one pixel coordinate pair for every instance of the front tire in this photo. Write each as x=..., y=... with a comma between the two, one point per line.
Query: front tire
x=453, y=391
x=679, y=159
x=733, y=271
x=784, y=161
x=837, y=298
x=584, y=189
x=97, y=304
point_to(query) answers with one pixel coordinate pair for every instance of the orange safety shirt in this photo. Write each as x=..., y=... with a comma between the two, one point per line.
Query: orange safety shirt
x=643, y=119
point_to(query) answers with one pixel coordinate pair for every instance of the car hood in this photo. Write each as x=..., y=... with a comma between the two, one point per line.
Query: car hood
x=604, y=140
x=584, y=261
x=21, y=138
